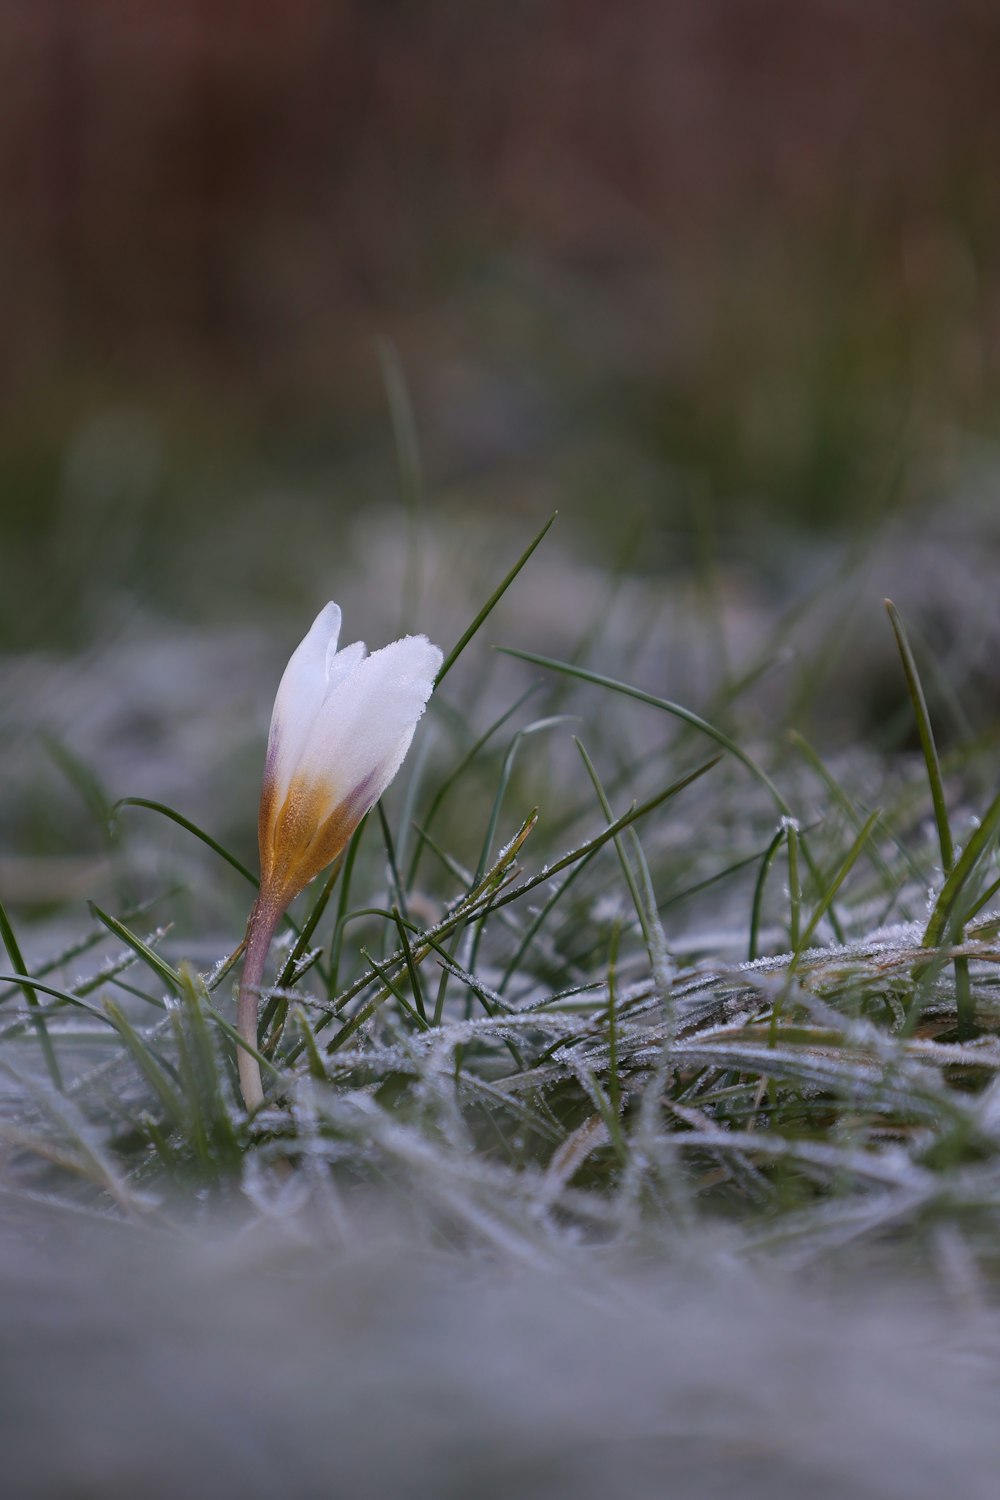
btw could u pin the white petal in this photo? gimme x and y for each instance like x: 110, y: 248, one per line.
x: 357, y: 741
x: 340, y: 663
x: 299, y: 698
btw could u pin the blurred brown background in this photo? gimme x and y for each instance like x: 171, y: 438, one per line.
x: 647, y: 262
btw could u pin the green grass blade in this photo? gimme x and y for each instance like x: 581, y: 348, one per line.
x: 845, y: 868
x: 395, y: 882
x: 28, y: 991
x: 343, y: 900
x: 925, y: 733
x: 614, y: 1081
x: 189, y: 827
x: 65, y: 997
x: 274, y: 1012
x: 144, y: 1059
x: 947, y: 917
x: 411, y: 967
x: 491, y: 604
x: 390, y: 984
x: 794, y: 883
x: 313, y: 1055
x: 770, y: 854
x: 149, y: 956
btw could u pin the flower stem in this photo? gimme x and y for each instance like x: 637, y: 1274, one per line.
x: 260, y: 930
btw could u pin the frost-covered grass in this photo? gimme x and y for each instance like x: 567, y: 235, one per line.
x: 608, y: 976
x: 604, y: 961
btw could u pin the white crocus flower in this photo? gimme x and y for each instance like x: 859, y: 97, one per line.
x: 341, y: 725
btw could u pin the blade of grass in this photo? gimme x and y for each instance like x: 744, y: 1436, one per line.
x: 491, y: 604
x: 946, y: 918
x: 925, y: 733
x: 844, y: 869
x: 394, y: 990
x: 65, y: 996
x: 28, y: 991
x: 770, y: 854
x: 146, y: 1062
x: 277, y: 1006
x: 148, y: 955
x: 794, y: 882
x: 189, y: 827
x: 614, y: 1081
x: 411, y: 967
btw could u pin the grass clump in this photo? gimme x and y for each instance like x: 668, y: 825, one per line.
x: 559, y: 988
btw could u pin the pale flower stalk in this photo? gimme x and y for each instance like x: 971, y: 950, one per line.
x: 341, y: 725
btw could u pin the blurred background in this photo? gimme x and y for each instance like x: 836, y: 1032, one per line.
x: 716, y: 278
x: 667, y: 264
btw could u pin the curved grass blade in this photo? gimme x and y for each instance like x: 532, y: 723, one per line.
x: 65, y: 996
x: 725, y: 741
x: 189, y: 827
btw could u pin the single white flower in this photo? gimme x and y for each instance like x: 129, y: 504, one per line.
x: 341, y: 725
